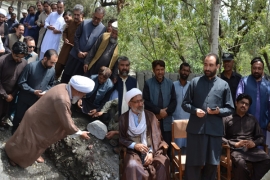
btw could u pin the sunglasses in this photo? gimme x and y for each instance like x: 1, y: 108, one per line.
x: 31, y: 46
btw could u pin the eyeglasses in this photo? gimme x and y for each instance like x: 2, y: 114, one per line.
x: 244, y: 103
x: 32, y: 47
x: 138, y: 101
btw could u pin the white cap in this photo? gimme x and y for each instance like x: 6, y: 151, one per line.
x: 3, y: 12
x: 115, y: 25
x: 24, y: 11
x: 82, y: 84
x: 132, y: 93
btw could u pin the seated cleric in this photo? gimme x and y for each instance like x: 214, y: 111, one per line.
x: 140, y: 133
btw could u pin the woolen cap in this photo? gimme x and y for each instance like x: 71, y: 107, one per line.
x: 3, y: 12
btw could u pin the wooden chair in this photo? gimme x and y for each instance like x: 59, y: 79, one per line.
x: 178, y: 160
x: 226, y: 162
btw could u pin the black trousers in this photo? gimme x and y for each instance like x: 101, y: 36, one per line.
x: 73, y: 67
x: 19, y: 113
x: 208, y: 172
x: 241, y: 171
x: 167, y: 137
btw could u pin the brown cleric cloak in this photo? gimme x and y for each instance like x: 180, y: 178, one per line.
x: 43, y: 124
x: 133, y: 168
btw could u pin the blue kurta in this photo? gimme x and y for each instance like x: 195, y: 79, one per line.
x: 179, y: 113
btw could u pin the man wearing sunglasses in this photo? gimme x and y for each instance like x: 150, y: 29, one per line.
x: 30, y: 42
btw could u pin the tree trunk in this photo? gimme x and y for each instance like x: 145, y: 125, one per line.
x: 19, y: 7
x: 12, y: 2
x: 265, y: 55
x: 1, y: 4
x: 214, y: 29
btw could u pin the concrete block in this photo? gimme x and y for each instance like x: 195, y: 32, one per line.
x: 98, y: 129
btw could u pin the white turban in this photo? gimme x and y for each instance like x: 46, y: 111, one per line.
x: 132, y: 93
x: 115, y: 25
x: 82, y: 84
x: 3, y: 12
x: 24, y: 11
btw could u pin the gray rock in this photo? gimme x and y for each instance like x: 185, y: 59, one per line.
x: 98, y: 129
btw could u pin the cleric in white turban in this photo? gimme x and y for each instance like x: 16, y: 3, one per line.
x: 3, y: 12
x: 47, y: 121
x: 131, y: 93
x: 81, y: 84
x: 140, y: 134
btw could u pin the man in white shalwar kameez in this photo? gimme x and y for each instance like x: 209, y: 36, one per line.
x: 55, y: 25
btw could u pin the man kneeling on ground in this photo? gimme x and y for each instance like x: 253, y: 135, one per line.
x: 243, y: 134
x: 95, y: 100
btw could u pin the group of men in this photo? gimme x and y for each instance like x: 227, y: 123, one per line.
x: 97, y: 79
x: 226, y: 109
x: 26, y: 78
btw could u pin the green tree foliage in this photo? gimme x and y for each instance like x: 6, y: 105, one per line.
x: 178, y: 31
x: 151, y: 30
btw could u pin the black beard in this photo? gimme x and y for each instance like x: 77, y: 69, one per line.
x: 212, y: 74
x: 257, y: 76
x: 183, y: 77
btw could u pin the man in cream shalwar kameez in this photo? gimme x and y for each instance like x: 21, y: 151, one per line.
x: 47, y: 121
x: 55, y: 25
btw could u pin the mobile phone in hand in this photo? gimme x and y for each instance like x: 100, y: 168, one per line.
x: 213, y: 109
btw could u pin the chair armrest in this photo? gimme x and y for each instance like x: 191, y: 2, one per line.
x: 227, y: 157
x: 225, y: 146
x: 175, y: 146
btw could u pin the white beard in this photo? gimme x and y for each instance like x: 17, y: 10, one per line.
x: 75, y: 99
